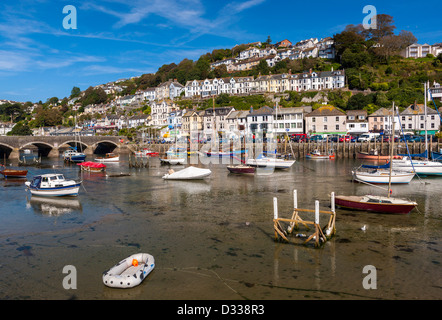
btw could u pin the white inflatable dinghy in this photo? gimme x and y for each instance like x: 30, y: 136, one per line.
x: 129, y: 272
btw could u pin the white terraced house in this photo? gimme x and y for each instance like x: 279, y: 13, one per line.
x: 213, y: 87
x: 160, y: 112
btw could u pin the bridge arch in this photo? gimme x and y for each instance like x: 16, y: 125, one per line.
x: 81, y: 146
x: 5, y: 151
x: 44, y: 148
x: 104, y: 146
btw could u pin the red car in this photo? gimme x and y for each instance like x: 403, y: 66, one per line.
x: 346, y: 138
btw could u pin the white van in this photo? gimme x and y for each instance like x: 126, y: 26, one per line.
x: 367, y: 136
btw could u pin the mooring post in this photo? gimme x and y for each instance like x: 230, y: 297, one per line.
x: 295, y: 199
x: 333, y: 202
x: 275, y: 208
x: 317, y: 212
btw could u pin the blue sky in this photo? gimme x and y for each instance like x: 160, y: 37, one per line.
x: 116, y: 39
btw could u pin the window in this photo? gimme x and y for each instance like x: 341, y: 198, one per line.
x: 325, y: 127
x: 337, y: 127
x: 337, y: 119
x: 325, y: 119
x: 313, y: 119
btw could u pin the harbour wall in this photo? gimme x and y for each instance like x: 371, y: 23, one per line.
x: 341, y: 149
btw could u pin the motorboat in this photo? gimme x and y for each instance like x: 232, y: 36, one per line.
x: 108, y: 157
x: 317, y: 155
x: 190, y: 173
x: 380, y: 204
x: 54, y: 185
x: 73, y: 155
x: 129, y: 272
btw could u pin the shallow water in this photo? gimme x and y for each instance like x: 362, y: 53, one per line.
x: 214, y: 239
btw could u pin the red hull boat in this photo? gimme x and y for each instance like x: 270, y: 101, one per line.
x: 376, y: 204
x: 242, y: 169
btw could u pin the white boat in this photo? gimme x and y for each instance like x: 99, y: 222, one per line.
x: 53, y: 185
x: 317, y: 155
x: 173, y: 160
x: 108, y: 157
x: 421, y: 167
x: 270, y: 162
x: 382, y: 176
x: 129, y: 272
x: 73, y: 155
x: 190, y: 173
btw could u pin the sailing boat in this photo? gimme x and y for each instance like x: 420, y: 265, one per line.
x: 380, y: 204
x: 421, y: 167
x: 242, y: 168
x: 264, y: 161
x: 72, y: 154
x: 173, y: 155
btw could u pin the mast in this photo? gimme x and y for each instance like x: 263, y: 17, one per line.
x: 425, y: 119
x: 391, y: 150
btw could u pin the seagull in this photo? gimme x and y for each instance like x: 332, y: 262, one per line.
x: 364, y: 228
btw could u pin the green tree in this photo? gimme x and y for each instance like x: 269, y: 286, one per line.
x: 263, y: 67
x: 20, y: 129
x: 75, y: 92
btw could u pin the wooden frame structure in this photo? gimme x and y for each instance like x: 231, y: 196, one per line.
x: 318, y: 235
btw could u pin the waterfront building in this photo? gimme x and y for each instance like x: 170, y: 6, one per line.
x: 381, y: 121
x: 261, y: 120
x: 192, y: 124
x: 357, y: 122
x: 413, y: 118
x: 289, y: 120
x: 236, y: 123
x: 326, y: 120
x: 215, y: 121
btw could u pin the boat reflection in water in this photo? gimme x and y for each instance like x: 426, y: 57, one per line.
x: 54, y: 206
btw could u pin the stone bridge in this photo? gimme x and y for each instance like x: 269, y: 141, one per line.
x: 51, y: 146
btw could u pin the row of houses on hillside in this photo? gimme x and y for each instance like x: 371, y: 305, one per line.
x: 250, y: 57
x: 325, y: 80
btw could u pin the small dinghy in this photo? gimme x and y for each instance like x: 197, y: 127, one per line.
x: 129, y: 272
x: 190, y: 173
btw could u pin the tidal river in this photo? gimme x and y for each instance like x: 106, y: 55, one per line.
x: 214, y: 239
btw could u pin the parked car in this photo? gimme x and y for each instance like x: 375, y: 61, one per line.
x: 317, y: 138
x: 346, y: 138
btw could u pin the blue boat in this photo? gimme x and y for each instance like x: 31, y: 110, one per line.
x: 53, y: 185
x: 73, y: 155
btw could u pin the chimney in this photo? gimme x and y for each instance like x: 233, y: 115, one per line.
x: 251, y: 109
x: 310, y: 70
x: 290, y: 71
